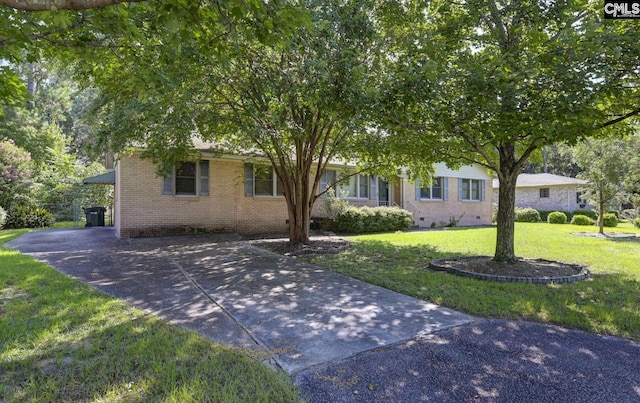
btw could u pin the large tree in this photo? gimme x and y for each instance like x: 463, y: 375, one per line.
x: 492, y: 82
x: 296, y: 102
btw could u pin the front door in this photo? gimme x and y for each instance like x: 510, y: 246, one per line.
x: 383, y: 193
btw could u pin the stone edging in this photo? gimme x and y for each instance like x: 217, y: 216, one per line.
x: 582, y: 274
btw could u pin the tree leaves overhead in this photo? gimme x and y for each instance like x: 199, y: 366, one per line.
x: 493, y: 81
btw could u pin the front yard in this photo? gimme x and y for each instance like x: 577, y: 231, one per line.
x: 61, y: 340
x: 607, y: 303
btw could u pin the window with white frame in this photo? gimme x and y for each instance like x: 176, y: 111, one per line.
x: 187, y: 178
x: 471, y: 189
x: 357, y: 186
x: 261, y: 180
x: 544, y: 193
x: 435, y: 191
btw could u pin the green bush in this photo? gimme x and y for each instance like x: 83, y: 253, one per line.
x: 579, y: 219
x: 544, y: 214
x: 3, y: 216
x: 29, y: 217
x: 636, y: 222
x: 589, y: 213
x: 557, y: 217
x: 372, y: 219
x: 527, y: 214
x: 610, y: 220
x: 616, y: 212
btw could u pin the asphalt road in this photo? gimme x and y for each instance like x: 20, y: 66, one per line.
x: 486, y: 361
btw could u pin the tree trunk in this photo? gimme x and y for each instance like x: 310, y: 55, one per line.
x: 601, y: 216
x: 505, y: 237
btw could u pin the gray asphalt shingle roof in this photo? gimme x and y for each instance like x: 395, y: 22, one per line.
x: 538, y: 180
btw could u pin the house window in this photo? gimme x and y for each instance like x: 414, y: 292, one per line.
x: 328, y: 179
x: 544, y: 193
x: 187, y: 178
x: 579, y: 199
x: 355, y: 186
x: 471, y: 189
x: 434, y: 192
x: 261, y: 180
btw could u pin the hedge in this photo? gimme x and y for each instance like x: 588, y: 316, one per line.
x: 372, y: 219
x: 636, y: 222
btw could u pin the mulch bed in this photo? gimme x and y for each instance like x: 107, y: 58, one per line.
x: 525, y: 270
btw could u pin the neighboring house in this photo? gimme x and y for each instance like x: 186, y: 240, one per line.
x: 242, y: 194
x: 546, y: 192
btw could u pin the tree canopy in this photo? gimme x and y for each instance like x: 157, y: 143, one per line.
x: 296, y: 102
x: 491, y: 82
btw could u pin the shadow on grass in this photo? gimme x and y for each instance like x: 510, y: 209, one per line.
x: 606, y: 303
x: 61, y: 340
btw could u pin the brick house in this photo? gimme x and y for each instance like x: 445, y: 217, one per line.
x: 241, y: 194
x: 546, y: 192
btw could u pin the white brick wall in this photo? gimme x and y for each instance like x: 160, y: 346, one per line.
x: 561, y: 198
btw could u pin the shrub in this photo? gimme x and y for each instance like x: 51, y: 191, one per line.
x: 527, y: 214
x: 610, y: 220
x: 615, y: 212
x: 3, y: 216
x: 636, y: 222
x: 29, y: 217
x: 372, y: 219
x: 544, y: 214
x: 589, y: 213
x: 579, y: 219
x: 628, y: 214
x: 557, y: 217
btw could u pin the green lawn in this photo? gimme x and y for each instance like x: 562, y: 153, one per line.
x: 608, y: 303
x: 61, y: 340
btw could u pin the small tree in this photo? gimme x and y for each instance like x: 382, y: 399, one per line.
x: 15, y: 173
x: 604, y: 168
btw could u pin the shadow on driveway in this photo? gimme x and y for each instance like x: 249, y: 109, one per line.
x: 237, y: 294
x: 340, y: 339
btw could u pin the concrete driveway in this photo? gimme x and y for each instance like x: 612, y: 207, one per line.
x: 340, y: 339
x: 237, y: 294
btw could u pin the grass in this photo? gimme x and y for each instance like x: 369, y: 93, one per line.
x: 61, y: 340
x: 607, y: 303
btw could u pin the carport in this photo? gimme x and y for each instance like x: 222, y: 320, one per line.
x: 105, y: 179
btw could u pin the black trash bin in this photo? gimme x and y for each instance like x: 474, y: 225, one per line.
x: 95, y: 216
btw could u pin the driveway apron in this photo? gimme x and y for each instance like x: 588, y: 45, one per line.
x: 237, y: 294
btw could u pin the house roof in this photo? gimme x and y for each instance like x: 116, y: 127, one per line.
x: 108, y: 178
x: 538, y: 180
